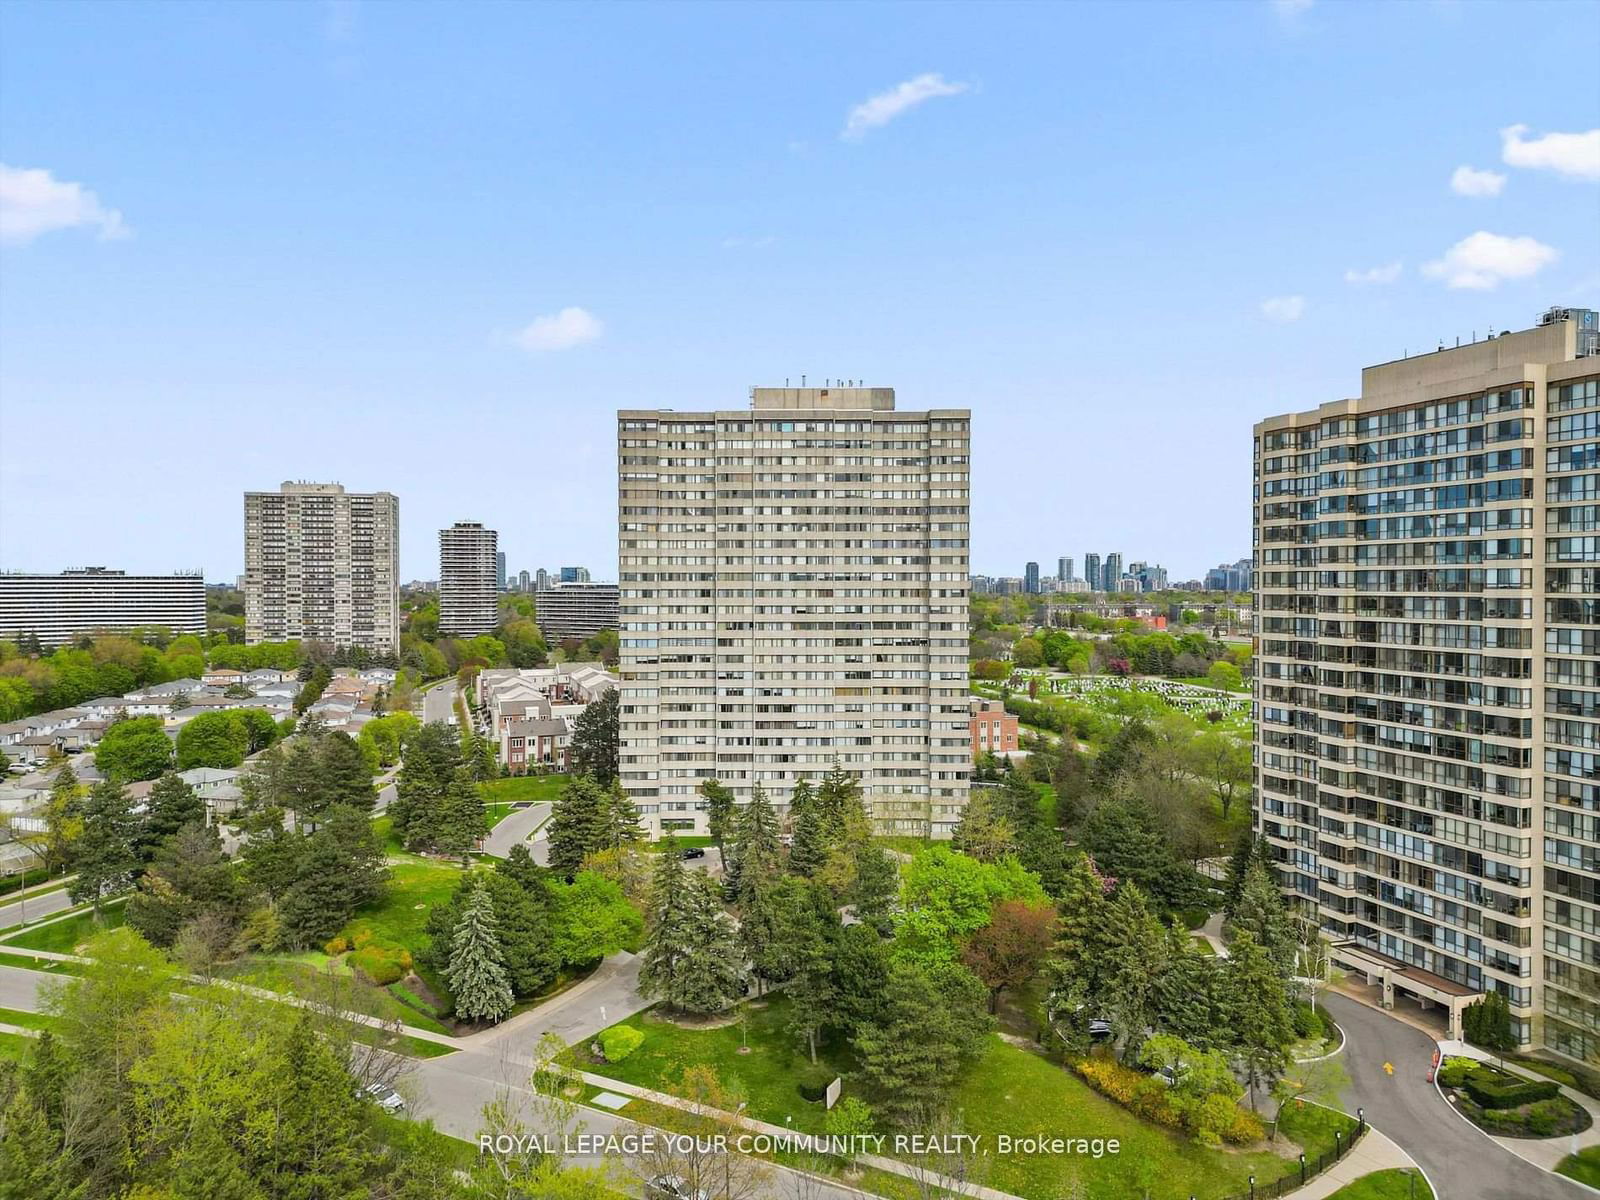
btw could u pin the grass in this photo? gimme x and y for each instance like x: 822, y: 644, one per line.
x: 902, y: 845
x: 401, y: 915
x: 1009, y: 1090
x: 684, y: 842
x: 1584, y: 1166
x: 523, y: 789
x: 47, y: 965
x: 1204, y: 946
x: 1397, y: 1183
x: 25, y: 1020
x: 66, y: 935
x: 13, y: 1046
x: 493, y: 814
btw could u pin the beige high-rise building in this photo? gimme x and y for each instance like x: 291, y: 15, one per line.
x: 794, y: 594
x: 1428, y: 675
x: 469, y: 580
x: 322, y: 564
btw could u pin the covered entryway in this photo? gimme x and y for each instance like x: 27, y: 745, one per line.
x: 1393, y: 977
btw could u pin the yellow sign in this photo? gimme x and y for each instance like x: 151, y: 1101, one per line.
x: 1388, y: 1068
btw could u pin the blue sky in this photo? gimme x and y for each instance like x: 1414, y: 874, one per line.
x: 432, y: 248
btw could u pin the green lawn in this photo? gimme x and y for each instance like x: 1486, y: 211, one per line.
x: 493, y: 814
x: 413, y: 890
x: 13, y: 1046
x: 25, y: 1020
x: 1204, y: 946
x: 48, y: 965
x: 683, y: 842
x: 66, y: 935
x: 1394, y: 1184
x: 523, y: 789
x: 1584, y: 1166
x: 1009, y: 1091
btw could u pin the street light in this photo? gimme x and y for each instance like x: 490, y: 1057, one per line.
x: 727, y: 1159
x: 1252, y: 1187
x: 1302, y: 1168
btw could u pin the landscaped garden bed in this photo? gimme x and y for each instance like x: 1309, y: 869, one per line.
x: 1506, y: 1104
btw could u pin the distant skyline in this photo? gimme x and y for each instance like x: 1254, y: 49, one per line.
x: 431, y: 249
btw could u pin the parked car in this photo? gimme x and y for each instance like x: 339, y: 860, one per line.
x: 673, y: 1187
x: 694, y: 852
x: 1099, y: 1030
x: 385, y: 1097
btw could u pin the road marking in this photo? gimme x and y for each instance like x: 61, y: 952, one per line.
x: 1388, y: 1068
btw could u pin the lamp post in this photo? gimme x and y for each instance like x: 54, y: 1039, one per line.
x: 1302, y: 1168
x: 1252, y: 1187
x: 727, y: 1159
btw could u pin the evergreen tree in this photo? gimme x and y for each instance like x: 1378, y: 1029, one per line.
x: 320, y: 1143
x: 63, y: 818
x: 188, y: 875
x: 477, y: 973
x: 621, y: 819
x: 461, y: 815
x: 764, y: 923
x: 932, y: 1021
x: 877, y: 883
x: 172, y: 805
x: 813, y: 996
x: 837, y: 797
x: 1186, y: 999
x: 429, y: 764
x: 808, y: 847
x: 860, y: 971
x: 1259, y: 1018
x: 691, y: 958
x: 594, y: 739
x: 1135, y: 953
x: 579, y: 825
x: 758, y: 855
x: 343, y: 773
x: 317, y: 905
x: 983, y: 832
x: 523, y: 927
x: 34, y: 1165
x: 1077, y: 963
x: 1244, y: 853
x: 1261, y: 910
x: 105, y: 856
x: 719, y: 814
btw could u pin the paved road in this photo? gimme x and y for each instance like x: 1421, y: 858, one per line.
x: 519, y: 827
x: 438, y: 703
x: 1464, y: 1163
x: 19, y: 988
x: 43, y: 905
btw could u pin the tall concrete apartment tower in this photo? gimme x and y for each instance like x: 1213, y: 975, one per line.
x: 1111, y: 574
x: 470, y: 570
x: 794, y: 594
x: 1091, y: 572
x: 1427, y: 707
x: 322, y: 564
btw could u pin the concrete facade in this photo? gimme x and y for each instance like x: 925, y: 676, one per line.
x: 60, y: 608
x: 1427, y: 695
x: 469, y: 572
x: 794, y: 594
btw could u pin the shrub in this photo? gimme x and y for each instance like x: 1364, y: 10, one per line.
x: 1150, y: 1101
x: 620, y: 1041
x: 383, y: 965
x: 1495, y: 1091
x: 1110, y: 1079
x: 1453, y: 1072
x: 361, y: 938
x: 813, y: 1083
x: 336, y: 946
x: 1245, y: 1130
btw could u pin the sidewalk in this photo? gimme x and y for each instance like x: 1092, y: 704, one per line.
x: 1374, y: 1152
x: 1541, y: 1152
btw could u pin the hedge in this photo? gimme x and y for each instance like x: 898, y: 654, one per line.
x: 1490, y: 1090
x: 620, y: 1041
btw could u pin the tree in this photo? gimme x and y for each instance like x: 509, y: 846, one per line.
x: 580, y: 824
x: 691, y: 957
x: 106, y: 860
x: 719, y: 812
x: 860, y: 971
x: 133, y: 749
x: 1260, y: 910
x: 63, y: 818
x: 932, y: 1021
x: 1007, y: 952
x: 594, y: 739
x: 477, y: 973
x: 621, y: 817
x: 172, y: 804
x: 983, y: 833
x: 1224, y: 760
x: 1487, y: 1023
x: 430, y: 762
x: 461, y: 816
x: 592, y: 919
x: 757, y: 847
x: 808, y: 844
x: 1225, y: 676
x: 525, y: 926
x: 213, y: 739
x: 945, y: 897
x: 189, y: 875
x: 812, y: 995
x: 1134, y: 957
x: 1258, y: 1014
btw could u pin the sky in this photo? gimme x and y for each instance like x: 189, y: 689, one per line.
x: 431, y: 248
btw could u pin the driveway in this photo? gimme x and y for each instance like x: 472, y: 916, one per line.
x: 19, y: 988
x: 519, y: 827
x: 1463, y: 1162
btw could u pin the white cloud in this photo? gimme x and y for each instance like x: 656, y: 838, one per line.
x: 903, y: 97
x: 1387, y: 273
x: 1284, y: 309
x: 1469, y: 181
x: 33, y: 201
x: 1576, y: 155
x: 559, y: 331
x: 1485, y: 260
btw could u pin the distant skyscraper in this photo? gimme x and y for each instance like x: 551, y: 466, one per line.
x: 1111, y: 574
x: 541, y: 579
x: 574, y: 575
x: 524, y: 581
x: 500, y: 570
x: 322, y: 565
x: 1091, y: 571
x: 1064, y: 570
x: 468, y: 564
x: 1030, y: 577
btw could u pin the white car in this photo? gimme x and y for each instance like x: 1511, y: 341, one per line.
x: 385, y: 1097
x: 672, y: 1187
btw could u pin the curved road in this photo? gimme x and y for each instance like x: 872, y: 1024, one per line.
x: 1463, y: 1162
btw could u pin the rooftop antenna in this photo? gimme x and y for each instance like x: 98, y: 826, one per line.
x: 802, y: 381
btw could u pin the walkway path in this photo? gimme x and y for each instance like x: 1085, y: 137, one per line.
x: 1462, y: 1162
x: 519, y: 827
x: 35, y: 905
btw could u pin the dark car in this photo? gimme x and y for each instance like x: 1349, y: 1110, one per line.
x: 672, y: 1187
x: 694, y: 852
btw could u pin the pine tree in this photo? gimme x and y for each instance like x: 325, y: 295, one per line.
x: 808, y: 847
x: 758, y: 855
x: 343, y: 774
x: 579, y: 824
x: 1135, y: 953
x: 876, y: 886
x: 477, y: 973
x: 931, y: 1020
x: 106, y: 858
x: 1186, y: 1000
x: 1258, y: 1016
x: 839, y: 794
x: 691, y: 957
x: 719, y: 814
x: 1244, y: 853
x: 1261, y: 910
x: 594, y: 739
x: 172, y: 805
x: 461, y: 815
x: 813, y: 996
x: 764, y: 920
x: 621, y: 819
